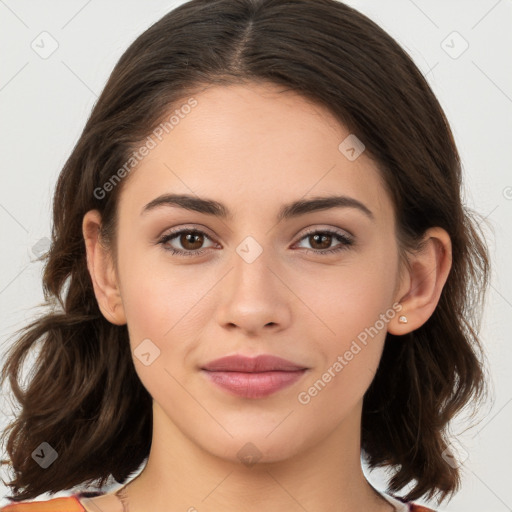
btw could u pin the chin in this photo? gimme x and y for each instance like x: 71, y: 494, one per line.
x: 252, y: 448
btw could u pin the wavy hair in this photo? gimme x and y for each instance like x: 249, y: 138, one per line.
x: 84, y: 397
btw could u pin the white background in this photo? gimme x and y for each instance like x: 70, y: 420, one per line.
x: 44, y: 104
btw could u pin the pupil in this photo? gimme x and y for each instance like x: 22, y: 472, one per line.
x: 326, y: 238
x: 189, y: 238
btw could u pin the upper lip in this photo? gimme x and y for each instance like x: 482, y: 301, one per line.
x: 261, y: 363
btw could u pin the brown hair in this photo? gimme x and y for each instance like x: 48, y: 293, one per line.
x: 84, y: 397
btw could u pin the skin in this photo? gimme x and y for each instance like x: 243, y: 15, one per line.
x: 253, y: 149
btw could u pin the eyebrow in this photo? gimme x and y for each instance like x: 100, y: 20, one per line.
x: 287, y: 211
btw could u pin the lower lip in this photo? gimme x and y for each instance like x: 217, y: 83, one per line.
x: 254, y: 385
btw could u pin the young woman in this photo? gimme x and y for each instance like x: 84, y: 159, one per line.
x: 261, y: 270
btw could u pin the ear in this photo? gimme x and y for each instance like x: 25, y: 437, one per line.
x: 102, y: 271
x: 421, y: 289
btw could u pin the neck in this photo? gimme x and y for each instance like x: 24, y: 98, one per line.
x: 180, y: 475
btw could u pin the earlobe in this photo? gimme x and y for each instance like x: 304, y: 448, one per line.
x: 102, y: 271
x: 428, y: 271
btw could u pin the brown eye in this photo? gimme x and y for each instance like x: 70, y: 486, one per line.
x: 190, y: 240
x: 321, y: 240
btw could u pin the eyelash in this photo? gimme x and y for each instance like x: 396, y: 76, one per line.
x: 346, y: 242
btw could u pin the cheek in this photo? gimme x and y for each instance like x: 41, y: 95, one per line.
x: 158, y: 295
x: 345, y: 299
x: 355, y: 319
x: 163, y: 326
x: 353, y: 306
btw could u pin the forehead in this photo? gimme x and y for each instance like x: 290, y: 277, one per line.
x: 253, y: 147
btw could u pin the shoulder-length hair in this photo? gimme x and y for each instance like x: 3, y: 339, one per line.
x: 84, y: 397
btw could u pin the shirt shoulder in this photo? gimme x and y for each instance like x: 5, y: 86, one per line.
x: 72, y: 504
x: 62, y: 504
x: 414, y: 508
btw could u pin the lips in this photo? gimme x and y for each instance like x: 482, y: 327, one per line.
x: 253, y: 377
x: 262, y: 363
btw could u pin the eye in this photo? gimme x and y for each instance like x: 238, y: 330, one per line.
x: 324, y: 238
x: 190, y: 240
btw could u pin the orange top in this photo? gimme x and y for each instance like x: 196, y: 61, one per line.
x: 63, y: 504
x: 72, y: 504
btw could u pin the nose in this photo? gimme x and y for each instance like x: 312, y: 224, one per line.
x: 254, y: 297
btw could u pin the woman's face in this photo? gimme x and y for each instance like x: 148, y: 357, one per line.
x: 252, y: 282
